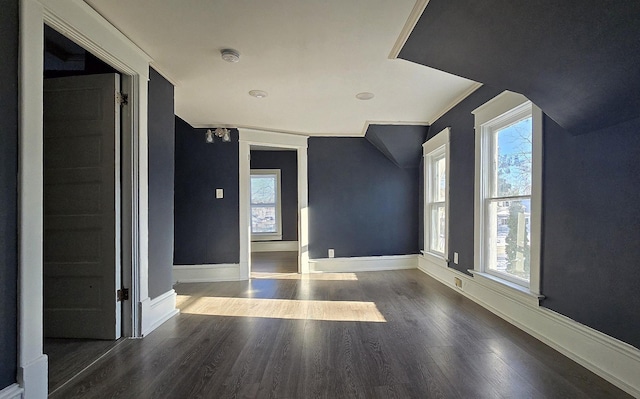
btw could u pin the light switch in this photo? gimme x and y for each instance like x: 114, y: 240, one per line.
x: 455, y: 258
x: 219, y: 193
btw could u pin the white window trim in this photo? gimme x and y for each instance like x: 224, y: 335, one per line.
x: 434, y: 145
x: 277, y: 236
x: 489, y: 112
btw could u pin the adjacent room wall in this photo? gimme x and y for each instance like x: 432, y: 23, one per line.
x: 360, y: 203
x: 591, y: 219
x: 206, y: 229
x: 287, y: 162
x: 161, y: 180
x: 9, y: 192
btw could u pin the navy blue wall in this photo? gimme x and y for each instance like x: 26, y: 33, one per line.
x: 360, y: 203
x: 161, y: 169
x: 462, y: 174
x: 287, y: 162
x: 206, y: 229
x: 591, y: 219
x: 9, y: 192
x: 591, y: 227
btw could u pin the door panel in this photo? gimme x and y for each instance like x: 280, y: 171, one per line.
x: 82, y: 207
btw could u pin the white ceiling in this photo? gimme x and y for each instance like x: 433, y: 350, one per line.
x: 311, y: 56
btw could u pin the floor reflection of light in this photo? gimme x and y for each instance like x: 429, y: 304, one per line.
x: 281, y: 308
x: 312, y: 276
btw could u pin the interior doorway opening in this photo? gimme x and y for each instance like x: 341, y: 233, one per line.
x: 84, y: 316
x: 273, y: 206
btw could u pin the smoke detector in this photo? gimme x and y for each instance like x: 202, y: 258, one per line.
x: 230, y: 55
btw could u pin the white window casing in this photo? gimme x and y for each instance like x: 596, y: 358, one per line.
x: 277, y: 234
x: 502, y: 110
x: 434, y: 150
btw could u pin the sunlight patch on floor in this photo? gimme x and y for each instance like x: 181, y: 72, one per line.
x: 281, y: 308
x: 311, y: 276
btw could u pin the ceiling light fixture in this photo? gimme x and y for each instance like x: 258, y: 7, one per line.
x: 365, y: 95
x: 220, y: 132
x: 230, y: 55
x: 258, y: 93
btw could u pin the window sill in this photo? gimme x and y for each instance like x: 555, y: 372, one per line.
x: 507, y: 288
x: 436, y: 259
x: 266, y: 237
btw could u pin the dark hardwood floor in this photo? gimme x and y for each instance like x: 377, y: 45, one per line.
x: 397, y: 334
x: 68, y: 357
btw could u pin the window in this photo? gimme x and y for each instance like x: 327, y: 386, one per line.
x: 265, y: 205
x: 436, y: 196
x: 508, y: 148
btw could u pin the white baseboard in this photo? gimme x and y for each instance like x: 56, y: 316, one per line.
x: 12, y: 392
x: 363, y: 264
x: 611, y: 359
x: 206, y: 273
x: 158, y: 310
x: 274, y: 246
x: 34, y: 378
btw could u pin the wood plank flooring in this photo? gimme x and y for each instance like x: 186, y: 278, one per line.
x: 411, y: 337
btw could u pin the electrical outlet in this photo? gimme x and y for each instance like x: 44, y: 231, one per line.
x: 458, y: 282
x: 455, y: 258
x: 332, y: 253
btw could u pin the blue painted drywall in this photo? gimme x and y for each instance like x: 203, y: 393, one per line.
x: 9, y: 192
x: 591, y: 227
x: 206, y: 229
x: 400, y: 143
x: 591, y: 220
x: 161, y: 179
x: 360, y: 203
x: 287, y: 162
x: 461, y: 174
x: 576, y: 59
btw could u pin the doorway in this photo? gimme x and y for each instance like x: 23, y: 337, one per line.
x: 274, y: 211
x: 82, y: 270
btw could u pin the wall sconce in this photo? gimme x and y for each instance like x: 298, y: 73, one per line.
x: 220, y: 132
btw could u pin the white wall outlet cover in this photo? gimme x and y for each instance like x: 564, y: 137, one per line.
x: 455, y: 258
x: 219, y: 193
x: 331, y: 253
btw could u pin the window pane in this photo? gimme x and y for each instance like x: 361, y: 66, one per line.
x: 514, y: 159
x: 438, y: 225
x: 439, y: 168
x: 263, y: 189
x: 263, y: 219
x: 509, y: 237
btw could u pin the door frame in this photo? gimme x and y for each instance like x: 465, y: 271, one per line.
x: 251, y: 137
x: 80, y: 23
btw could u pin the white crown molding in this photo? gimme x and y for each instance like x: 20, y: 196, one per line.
x: 412, y: 20
x: 475, y: 86
x: 393, y: 123
x: 611, y: 359
x: 169, y: 77
x: 363, y: 264
x: 158, y: 310
x: 206, y: 273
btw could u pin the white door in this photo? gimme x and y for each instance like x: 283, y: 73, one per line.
x: 82, y: 207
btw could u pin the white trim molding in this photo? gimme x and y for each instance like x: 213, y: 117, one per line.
x: 158, y: 310
x: 274, y: 246
x: 611, y: 359
x: 14, y: 391
x: 206, y: 273
x: 251, y: 137
x: 363, y: 264
x: 412, y: 20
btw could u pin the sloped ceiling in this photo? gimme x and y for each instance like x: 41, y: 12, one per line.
x: 402, y: 144
x: 577, y: 60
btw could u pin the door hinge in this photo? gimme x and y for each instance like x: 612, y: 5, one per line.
x: 123, y: 295
x: 122, y: 98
